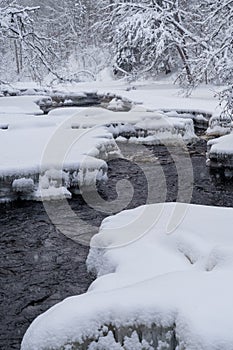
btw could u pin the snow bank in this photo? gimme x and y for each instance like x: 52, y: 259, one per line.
x: 200, y: 119
x: 20, y: 105
x: 164, y: 282
x: 73, y: 140
x: 159, y: 95
x: 25, y: 135
x: 222, y: 145
x: 48, y: 153
x: 220, y: 153
x: 137, y: 123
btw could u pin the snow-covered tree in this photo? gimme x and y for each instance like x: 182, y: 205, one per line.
x: 153, y: 35
x: 194, y: 37
x: 215, y: 55
x: 17, y: 31
x: 16, y: 25
x: 80, y: 52
x: 74, y: 37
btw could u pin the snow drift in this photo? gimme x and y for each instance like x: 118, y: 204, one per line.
x: 164, y: 282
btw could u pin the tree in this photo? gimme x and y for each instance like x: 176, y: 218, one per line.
x: 77, y: 45
x: 31, y: 50
x: 73, y: 37
x: 215, y: 59
x: 155, y: 35
x: 17, y: 25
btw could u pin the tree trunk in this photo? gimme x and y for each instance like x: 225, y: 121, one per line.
x: 21, y: 56
x: 182, y: 50
x: 17, y: 58
x: 184, y: 57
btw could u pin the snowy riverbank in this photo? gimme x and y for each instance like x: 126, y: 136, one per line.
x: 177, y: 295
x: 167, y: 299
x: 44, y: 156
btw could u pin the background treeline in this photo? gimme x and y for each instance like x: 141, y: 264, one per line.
x: 76, y: 39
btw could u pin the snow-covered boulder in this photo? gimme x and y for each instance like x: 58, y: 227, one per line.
x: 219, y: 125
x: 23, y: 185
x: 164, y: 282
x: 220, y: 153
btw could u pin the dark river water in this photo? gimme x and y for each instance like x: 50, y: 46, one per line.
x: 39, y: 266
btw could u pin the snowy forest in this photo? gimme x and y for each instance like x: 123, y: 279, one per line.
x: 74, y: 40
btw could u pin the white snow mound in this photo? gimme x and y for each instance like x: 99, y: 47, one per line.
x: 164, y: 282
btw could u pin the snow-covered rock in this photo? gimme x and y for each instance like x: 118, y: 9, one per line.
x: 219, y: 126
x: 164, y: 282
x: 118, y: 105
x: 23, y: 185
x: 220, y: 153
x: 200, y: 118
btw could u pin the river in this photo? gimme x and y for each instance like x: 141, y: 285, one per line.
x: 39, y: 266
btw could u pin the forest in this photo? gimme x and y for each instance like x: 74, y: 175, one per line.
x: 74, y: 40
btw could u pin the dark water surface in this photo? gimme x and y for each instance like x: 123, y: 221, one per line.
x: 39, y: 266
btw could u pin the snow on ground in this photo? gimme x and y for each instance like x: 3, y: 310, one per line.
x: 70, y: 139
x: 18, y: 105
x: 21, y: 122
x: 34, y: 145
x: 159, y: 95
x: 164, y: 282
x: 164, y: 271
x: 163, y: 95
x: 217, y: 127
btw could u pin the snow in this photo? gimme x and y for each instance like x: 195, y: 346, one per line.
x: 220, y: 149
x: 20, y: 105
x: 219, y: 126
x: 31, y: 150
x: 50, y: 193
x: 220, y: 154
x: 156, y: 95
x: 161, y: 269
x: 23, y: 185
x: 217, y: 130
x: 222, y: 145
x: 23, y: 126
x: 115, y: 105
x: 74, y: 139
x: 32, y: 145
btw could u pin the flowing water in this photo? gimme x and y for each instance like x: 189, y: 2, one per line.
x: 39, y: 266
